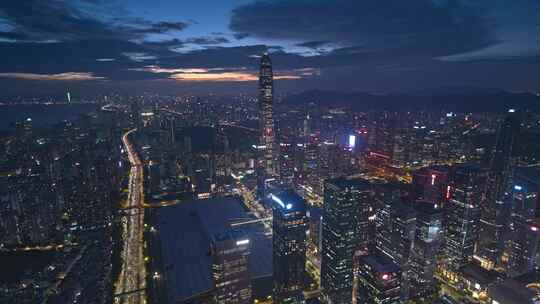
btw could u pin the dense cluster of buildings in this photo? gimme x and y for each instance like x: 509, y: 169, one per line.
x: 255, y: 201
x: 60, y: 185
x: 374, y: 207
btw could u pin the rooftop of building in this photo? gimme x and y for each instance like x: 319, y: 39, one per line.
x: 230, y: 235
x: 532, y: 277
x: 403, y: 210
x: 467, y: 167
x: 530, y: 175
x: 511, y: 291
x: 423, y: 207
x: 348, y: 182
x: 185, y: 233
x: 434, y: 168
x: 288, y: 200
x: 477, y: 274
x: 379, y: 263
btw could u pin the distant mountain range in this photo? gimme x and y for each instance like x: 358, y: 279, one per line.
x: 458, y: 99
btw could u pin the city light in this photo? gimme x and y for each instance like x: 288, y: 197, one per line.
x: 280, y: 202
x: 155, y: 190
x: 242, y: 242
x: 277, y: 200
x: 352, y: 141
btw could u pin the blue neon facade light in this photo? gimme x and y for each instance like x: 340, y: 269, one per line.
x: 280, y: 202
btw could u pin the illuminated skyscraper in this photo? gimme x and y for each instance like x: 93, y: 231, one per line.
x: 396, y: 224
x: 266, y: 104
x: 345, y: 231
x: 230, y: 251
x: 289, y: 246
x: 503, y: 154
x: 522, y: 234
x: 286, y: 163
x: 430, y: 184
x: 494, y: 211
x: 427, y: 241
x: 463, y: 216
x: 312, y: 165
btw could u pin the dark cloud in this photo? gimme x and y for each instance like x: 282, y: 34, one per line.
x: 223, y: 57
x: 53, y: 20
x: 176, y: 43
x: 72, y: 39
x: 46, y: 20
x: 160, y: 27
x: 429, y: 27
x: 96, y: 1
x: 12, y: 35
x: 78, y: 56
x: 248, y: 56
x: 207, y: 40
x: 376, y: 45
x: 314, y: 44
x: 168, y: 44
x: 51, y: 38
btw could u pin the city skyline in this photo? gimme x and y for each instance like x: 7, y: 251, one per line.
x: 226, y: 154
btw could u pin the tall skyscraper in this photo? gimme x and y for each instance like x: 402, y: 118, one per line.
x: 312, y: 164
x: 522, y: 235
x: 289, y: 246
x: 171, y: 127
x: 430, y: 184
x: 345, y: 231
x: 427, y: 241
x: 382, y: 134
x: 503, y: 155
x: 230, y: 251
x: 463, y: 216
x: 396, y: 224
x: 494, y: 211
x: 286, y: 164
x: 266, y: 104
x: 154, y: 176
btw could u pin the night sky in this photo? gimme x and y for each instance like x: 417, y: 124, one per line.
x: 213, y: 45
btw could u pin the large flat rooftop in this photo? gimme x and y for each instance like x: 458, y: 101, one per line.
x: 185, y: 232
x: 511, y: 291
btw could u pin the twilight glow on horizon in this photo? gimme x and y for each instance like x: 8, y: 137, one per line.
x: 368, y: 45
